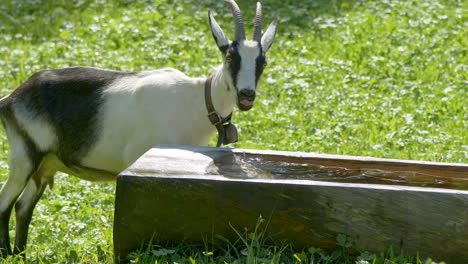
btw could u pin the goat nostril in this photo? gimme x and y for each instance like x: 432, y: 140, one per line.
x: 247, y: 94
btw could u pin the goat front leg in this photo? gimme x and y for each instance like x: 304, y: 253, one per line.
x: 20, y: 171
x: 25, y: 205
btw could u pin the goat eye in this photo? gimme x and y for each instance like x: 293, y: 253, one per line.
x: 228, y: 59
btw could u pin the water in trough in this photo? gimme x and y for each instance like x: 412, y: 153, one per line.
x: 258, y: 168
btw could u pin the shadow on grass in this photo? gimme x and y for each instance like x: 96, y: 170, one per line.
x: 48, y: 16
x: 291, y: 14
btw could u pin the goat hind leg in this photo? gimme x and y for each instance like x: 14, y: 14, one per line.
x: 7, y: 200
x: 25, y: 205
x: 11, y: 190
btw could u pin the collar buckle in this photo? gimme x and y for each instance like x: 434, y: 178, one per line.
x: 215, y: 118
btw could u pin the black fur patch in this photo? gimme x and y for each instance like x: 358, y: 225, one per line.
x: 70, y: 99
x: 235, y: 63
x: 223, y: 49
x: 260, y: 64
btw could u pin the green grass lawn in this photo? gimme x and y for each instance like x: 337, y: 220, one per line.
x: 382, y: 78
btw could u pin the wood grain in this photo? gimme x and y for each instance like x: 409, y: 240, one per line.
x: 194, y: 206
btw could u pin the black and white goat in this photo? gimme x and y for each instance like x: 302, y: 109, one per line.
x: 94, y: 123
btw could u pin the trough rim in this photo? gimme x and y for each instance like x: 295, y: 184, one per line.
x: 314, y: 155
x: 461, y: 168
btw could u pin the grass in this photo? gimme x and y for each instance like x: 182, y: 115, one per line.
x: 376, y: 78
x: 260, y: 247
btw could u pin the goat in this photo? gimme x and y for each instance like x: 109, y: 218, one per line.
x: 93, y: 123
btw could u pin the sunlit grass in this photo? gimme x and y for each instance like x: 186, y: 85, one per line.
x: 258, y: 246
x: 377, y: 78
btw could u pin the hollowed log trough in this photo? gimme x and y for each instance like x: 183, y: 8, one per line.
x: 181, y: 193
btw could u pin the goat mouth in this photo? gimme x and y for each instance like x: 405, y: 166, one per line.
x: 245, y: 104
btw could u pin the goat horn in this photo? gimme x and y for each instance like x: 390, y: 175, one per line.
x: 240, y: 31
x: 257, y: 36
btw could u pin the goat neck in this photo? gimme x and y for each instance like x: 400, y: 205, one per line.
x: 223, y: 96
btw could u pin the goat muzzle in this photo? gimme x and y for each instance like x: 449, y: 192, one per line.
x: 245, y: 99
x: 245, y: 105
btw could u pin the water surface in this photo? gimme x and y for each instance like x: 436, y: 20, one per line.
x: 258, y: 168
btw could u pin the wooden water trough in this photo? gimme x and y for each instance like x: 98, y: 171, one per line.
x: 192, y: 194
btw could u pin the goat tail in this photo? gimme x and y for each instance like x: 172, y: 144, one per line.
x: 4, y: 102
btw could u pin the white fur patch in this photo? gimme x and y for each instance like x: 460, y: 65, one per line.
x: 248, y: 51
x: 146, y: 109
x: 38, y: 128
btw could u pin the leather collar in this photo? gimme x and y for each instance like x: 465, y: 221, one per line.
x: 221, y: 123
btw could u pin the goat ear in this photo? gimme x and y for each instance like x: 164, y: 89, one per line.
x: 218, y: 34
x: 269, y: 36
